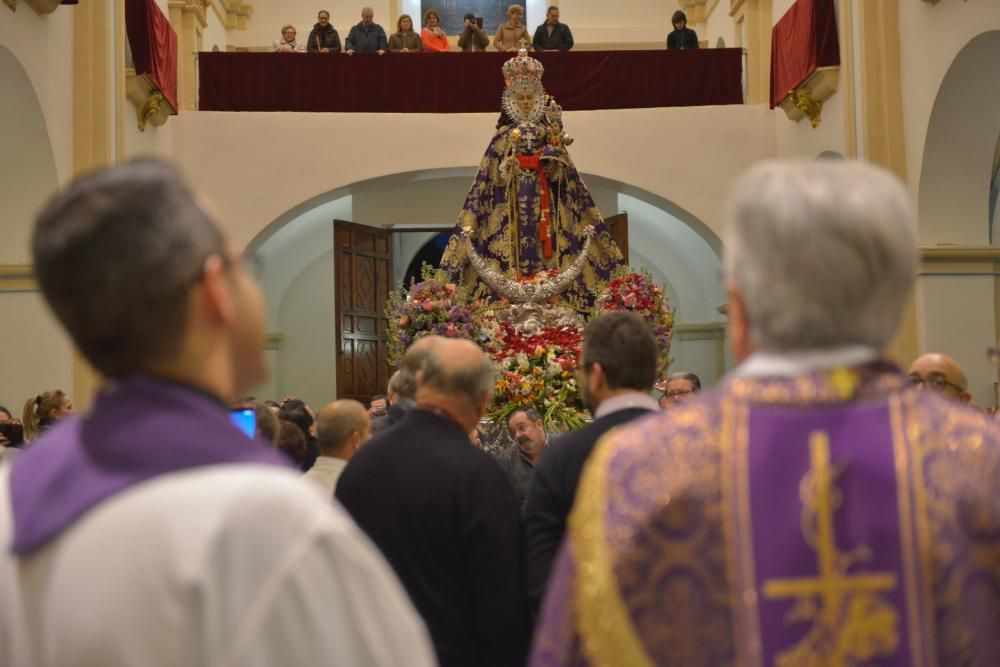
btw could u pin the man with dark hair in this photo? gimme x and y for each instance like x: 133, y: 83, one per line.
x: 402, y: 389
x: 443, y: 514
x: 682, y: 37
x: 552, y: 35
x: 472, y: 38
x: 342, y: 427
x: 152, y: 531
x: 527, y: 430
x: 618, y: 362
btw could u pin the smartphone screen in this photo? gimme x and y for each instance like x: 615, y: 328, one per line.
x: 13, y: 432
x: 245, y: 420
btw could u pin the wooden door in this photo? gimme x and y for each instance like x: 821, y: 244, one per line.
x: 362, y: 269
x: 618, y: 226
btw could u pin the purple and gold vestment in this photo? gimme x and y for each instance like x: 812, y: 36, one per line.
x: 838, y: 518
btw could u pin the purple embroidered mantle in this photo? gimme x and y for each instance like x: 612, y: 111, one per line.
x: 838, y: 518
x: 139, y: 428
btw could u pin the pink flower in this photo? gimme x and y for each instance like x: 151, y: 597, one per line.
x: 428, y: 306
x: 630, y: 300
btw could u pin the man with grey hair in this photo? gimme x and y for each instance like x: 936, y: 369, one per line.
x: 815, y: 494
x: 443, y: 513
x: 367, y: 36
x: 402, y: 389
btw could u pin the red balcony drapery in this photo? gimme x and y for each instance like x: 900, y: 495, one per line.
x: 463, y: 82
x: 802, y: 40
x: 154, y: 45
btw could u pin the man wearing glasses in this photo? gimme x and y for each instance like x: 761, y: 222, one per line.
x: 941, y: 374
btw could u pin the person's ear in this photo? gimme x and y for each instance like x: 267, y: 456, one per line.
x: 965, y: 397
x: 216, y: 290
x: 739, y: 324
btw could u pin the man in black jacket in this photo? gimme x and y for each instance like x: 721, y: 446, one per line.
x: 682, y: 36
x: 552, y: 35
x: 324, y: 37
x: 619, y: 368
x: 443, y: 513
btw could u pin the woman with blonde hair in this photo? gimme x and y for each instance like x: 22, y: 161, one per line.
x: 44, y: 410
x: 405, y: 39
x: 512, y: 35
x: 433, y: 37
x: 287, y: 44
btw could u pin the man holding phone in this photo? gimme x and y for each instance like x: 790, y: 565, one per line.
x: 473, y: 38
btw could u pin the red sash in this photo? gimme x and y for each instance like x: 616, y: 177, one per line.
x: 533, y: 162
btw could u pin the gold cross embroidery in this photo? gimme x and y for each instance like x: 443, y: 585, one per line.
x: 851, y: 622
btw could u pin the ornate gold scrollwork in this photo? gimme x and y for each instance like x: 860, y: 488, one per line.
x: 149, y: 109
x: 807, y: 104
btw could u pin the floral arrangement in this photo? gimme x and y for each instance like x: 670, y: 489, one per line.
x: 538, y: 371
x: 431, y: 306
x: 636, y: 291
x: 535, y: 369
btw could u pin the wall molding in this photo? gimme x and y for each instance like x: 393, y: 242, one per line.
x: 959, y: 253
x: 17, y: 278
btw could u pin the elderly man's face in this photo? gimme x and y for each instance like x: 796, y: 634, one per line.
x: 529, y: 435
x: 367, y: 16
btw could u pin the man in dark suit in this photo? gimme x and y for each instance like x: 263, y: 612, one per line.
x: 618, y: 363
x: 443, y: 512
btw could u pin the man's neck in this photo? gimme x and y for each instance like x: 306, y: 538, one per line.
x: 444, y: 406
x: 207, y: 383
x: 623, y: 399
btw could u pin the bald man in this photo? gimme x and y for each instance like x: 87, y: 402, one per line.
x: 342, y: 427
x: 443, y: 513
x: 941, y: 374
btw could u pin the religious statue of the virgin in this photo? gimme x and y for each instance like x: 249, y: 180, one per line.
x: 528, y: 214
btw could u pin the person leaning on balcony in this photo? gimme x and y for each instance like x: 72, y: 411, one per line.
x: 433, y: 37
x: 472, y: 38
x: 405, y: 39
x: 324, y: 37
x: 287, y: 44
x: 367, y: 36
x: 682, y: 36
x: 512, y: 35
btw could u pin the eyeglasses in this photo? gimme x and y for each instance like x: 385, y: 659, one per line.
x: 934, y: 382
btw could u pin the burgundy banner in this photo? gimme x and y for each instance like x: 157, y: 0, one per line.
x: 802, y: 40
x: 463, y: 82
x: 154, y: 45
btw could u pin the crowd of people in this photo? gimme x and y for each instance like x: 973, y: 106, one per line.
x: 624, y: 542
x: 512, y: 35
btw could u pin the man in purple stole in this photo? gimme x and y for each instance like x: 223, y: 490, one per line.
x: 152, y: 531
x: 815, y: 509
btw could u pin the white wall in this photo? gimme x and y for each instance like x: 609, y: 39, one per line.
x: 35, y: 354
x: 650, y: 149
x: 264, y: 26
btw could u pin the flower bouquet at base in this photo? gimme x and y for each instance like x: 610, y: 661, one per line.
x: 636, y: 291
x: 537, y: 371
x: 431, y: 306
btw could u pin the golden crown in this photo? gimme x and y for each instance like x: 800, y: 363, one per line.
x: 522, y: 65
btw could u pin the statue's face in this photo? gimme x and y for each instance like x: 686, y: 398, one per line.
x: 525, y: 101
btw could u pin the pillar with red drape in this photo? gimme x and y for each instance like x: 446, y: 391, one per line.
x: 802, y: 40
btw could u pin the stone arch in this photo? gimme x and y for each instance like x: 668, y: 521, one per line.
x: 953, y: 202
x: 27, y: 158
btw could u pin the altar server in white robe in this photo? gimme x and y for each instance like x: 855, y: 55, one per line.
x: 151, y: 531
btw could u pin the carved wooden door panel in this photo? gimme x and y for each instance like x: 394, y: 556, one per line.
x: 618, y: 226
x: 362, y: 269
